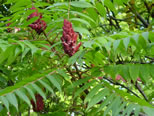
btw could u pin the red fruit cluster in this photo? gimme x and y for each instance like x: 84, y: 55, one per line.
x: 39, y: 105
x: 69, y: 39
x: 39, y: 25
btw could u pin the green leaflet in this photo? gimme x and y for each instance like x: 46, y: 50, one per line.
x: 110, y: 5
x: 24, y: 53
x: 46, y: 86
x: 20, y: 3
x: 92, y: 93
x: 106, y: 101
x: 101, y: 9
x: 81, y: 30
x: 4, y: 55
x: 88, y: 44
x: 12, y: 100
x: 80, y: 81
x: 26, y: 81
x: 97, y: 98
x: 23, y: 96
x: 30, y: 92
x: 134, y: 71
x: 86, y: 86
x: 13, y: 55
x: 64, y: 74
x: 130, y: 71
x: 76, y: 57
x: 120, y: 2
x: 126, y: 42
x: 81, y: 4
x: 119, y: 108
x: 53, y: 80
x: 116, y: 44
x: 32, y: 46
x: 125, y: 95
x: 30, y: 21
x: 128, y: 110
x: 39, y: 90
x: 137, y: 110
x: 118, y: 104
x: 5, y: 102
x: 148, y: 111
x: 145, y: 72
x: 112, y: 104
x: 83, y: 15
x: 81, y: 21
x: 145, y: 36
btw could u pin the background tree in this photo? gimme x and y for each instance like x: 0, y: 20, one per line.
x: 98, y: 61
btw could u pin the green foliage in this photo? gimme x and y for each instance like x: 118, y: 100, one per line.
x: 111, y: 74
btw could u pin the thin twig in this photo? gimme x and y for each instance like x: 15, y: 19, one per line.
x: 29, y: 111
x: 148, y: 9
x: 110, y: 20
x: 70, y: 72
x: 47, y: 39
x: 117, y: 23
x: 149, y: 58
x: 138, y: 15
x: 140, y: 90
x: 116, y: 83
x: 78, y: 72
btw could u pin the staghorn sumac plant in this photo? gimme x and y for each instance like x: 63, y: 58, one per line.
x: 69, y: 39
x: 102, y: 79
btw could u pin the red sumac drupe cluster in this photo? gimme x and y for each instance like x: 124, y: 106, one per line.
x: 39, y: 105
x: 69, y: 39
x: 39, y: 25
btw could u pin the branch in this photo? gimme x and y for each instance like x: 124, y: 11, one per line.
x: 77, y: 70
x: 146, y: 5
x: 132, y: 113
x: 140, y: 90
x: 148, y: 9
x: 134, y: 62
x: 103, y: 27
x: 116, y: 83
x: 47, y: 39
x: 117, y: 23
x: 110, y: 20
x: 150, y: 58
x: 141, y: 19
x: 70, y: 72
x: 121, y: 19
x: 138, y: 15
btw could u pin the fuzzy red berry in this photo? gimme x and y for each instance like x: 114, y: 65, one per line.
x: 39, y: 105
x: 69, y: 39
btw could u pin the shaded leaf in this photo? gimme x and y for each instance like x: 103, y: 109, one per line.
x: 12, y: 99
x: 23, y: 96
